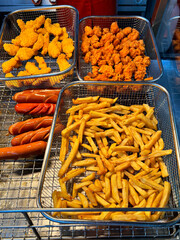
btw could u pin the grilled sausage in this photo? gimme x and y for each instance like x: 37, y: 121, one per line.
x: 22, y: 151
x: 37, y: 96
x: 30, y: 124
x: 41, y: 134
x: 35, y: 108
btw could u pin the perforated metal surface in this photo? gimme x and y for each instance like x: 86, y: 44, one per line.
x: 139, y: 23
x: 151, y: 94
x: 66, y: 16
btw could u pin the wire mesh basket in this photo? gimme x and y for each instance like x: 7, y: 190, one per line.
x: 66, y: 16
x: 152, y: 94
x: 141, y: 24
x: 174, y: 38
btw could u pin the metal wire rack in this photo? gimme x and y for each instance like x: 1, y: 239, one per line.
x: 18, y: 190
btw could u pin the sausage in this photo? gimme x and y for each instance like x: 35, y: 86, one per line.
x: 22, y: 151
x: 37, y: 96
x: 41, y: 134
x: 35, y: 108
x: 30, y: 124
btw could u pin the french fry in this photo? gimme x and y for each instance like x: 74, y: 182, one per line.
x: 102, y: 170
x: 119, y: 179
x: 69, y: 159
x: 87, y: 146
x: 85, y: 100
x: 93, y: 145
x: 151, y: 183
x: 83, y: 200
x: 76, y: 108
x: 63, y: 149
x: 125, y: 190
x: 90, y: 196
x: 75, y: 173
x: 114, y: 188
x: 82, y: 184
x: 107, y: 188
x: 126, y: 149
x: 155, y: 137
x: 81, y: 130
x: 149, y: 204
x: 134, y: 194
x: 94, y: 188
x: 163, y: 169
x: 101, y: 201
x: 89, y: 177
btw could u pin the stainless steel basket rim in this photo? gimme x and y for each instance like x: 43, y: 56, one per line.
x: 153, y: 40
x: 47, y: 153
x: 76, y: 42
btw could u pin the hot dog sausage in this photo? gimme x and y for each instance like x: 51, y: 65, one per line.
x: 30, y: 124
x: 37, y: 96
x: 22, y: 151
x: 41, y: 134
x: 35, y: 108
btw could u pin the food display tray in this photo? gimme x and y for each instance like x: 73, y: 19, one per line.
x: 173, y: 24
x: 19, y: 188
x: 141, y: 24
x: 66, y: 16
x: 128, y: 94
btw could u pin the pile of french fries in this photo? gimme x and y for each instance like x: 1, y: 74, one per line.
x: 113, y: 155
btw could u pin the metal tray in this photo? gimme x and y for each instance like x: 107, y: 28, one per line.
x: 66, y: 16
x: 155, y: 69
x: 152, y: 94
x: 173, y: 24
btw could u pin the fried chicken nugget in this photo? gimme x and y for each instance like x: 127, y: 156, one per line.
x: 39, y: 43
x: 8, y: 66
x: 33, y: 70
x: 11, y: 49
x: 41, y: 62
x: 45, y: 44
x: 114, y: 28
x: 54, y: 29
x: 54, y: 48
x: 64, y: 34
x: 67, y: 47
x: 23, y: 73
x: 28, y: 37
x: 25, y: 53
x: 63, y: 63
x: 21, y: 24
x: 9, y: 75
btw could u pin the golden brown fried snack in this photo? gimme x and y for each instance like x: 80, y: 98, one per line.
x: 9, y: 65
x: 25, y: 53
x: 54, y: 48
x: 67, y: 47
x: 54, y: 29
x: 39, y: 43
x: 11, y: 49
x: 115, y: 54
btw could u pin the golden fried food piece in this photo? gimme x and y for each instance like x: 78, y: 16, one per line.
x: 88, y: 31
x: 9, y: 65
x: 33, y: 70
x: 42, y: 31
x: 114, y: 28
x: 23, y: 73
x: 21, y: 24
x: 45, y: 44
x: 115, y: 54
x: 63, y: 63
x: 16, y: 41
x: 11, y: 49
x: 39, y: 21
x: 25, y: 53
x: 54, y: 29
x: 28, y: 37
x: 41, y: 62
x: 54, y: 48
x: 39, y: 44
x: 67, y: 47
x: 9, y: 75
x: 64, y: 34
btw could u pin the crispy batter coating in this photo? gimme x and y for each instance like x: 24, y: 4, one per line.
x: 23, y: 73
x: 28, y: 37
x: 67, y: 47
x: 54, y: 48
x: 9, y: 75
x: 115, y: 54
x: 39, y: 43
x: 33, y: 70
x: 54, y: 29
x: 11, y: 49
x: 63, y: 63
x: 9, y: 65
x: 41, y: 62
x: 45, y: 44
x: 25, y: 53
x: 64, y: 34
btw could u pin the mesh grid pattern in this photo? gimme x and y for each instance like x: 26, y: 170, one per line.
x: 154, y: 70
